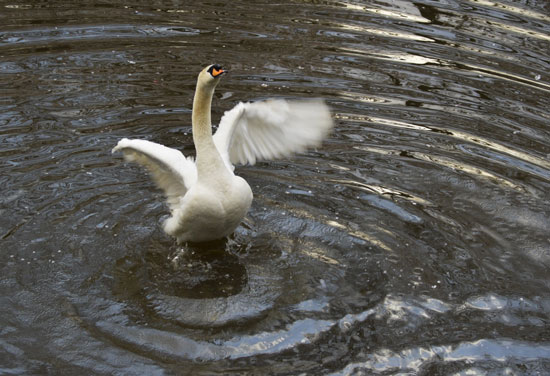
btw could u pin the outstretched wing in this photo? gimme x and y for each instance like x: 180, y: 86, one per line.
x: 271, y: 129
x: 171, y: 171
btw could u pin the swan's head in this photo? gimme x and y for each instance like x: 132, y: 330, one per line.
x: 210, y: 76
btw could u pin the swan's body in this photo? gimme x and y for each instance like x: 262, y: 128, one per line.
x: 206, y: 199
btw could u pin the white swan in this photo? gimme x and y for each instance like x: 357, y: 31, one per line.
x: 206, y: 199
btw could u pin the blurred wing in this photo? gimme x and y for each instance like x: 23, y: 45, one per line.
x: 271, y: 129
x: 171, y: 171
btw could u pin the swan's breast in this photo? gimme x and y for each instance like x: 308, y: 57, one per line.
x: 238, y: 201
x: 210, y: 211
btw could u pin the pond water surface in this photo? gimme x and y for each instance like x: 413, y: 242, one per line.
x: 414, y: 241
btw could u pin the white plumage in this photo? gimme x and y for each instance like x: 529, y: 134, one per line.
x: 271, y: 129
x: 207, y: 201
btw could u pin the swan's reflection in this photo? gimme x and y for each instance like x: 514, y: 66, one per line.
x: 198, y: 285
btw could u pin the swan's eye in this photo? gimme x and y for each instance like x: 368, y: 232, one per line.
x: 216, y: 70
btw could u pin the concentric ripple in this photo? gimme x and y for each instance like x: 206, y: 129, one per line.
x: 413, y: 241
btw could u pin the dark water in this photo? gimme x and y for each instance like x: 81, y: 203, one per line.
x: 415, y: 241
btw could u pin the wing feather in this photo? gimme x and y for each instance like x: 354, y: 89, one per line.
x: 169, y: 168
x: 271, y: 129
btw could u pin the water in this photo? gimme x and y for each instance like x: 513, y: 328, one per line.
x: 415, y: 241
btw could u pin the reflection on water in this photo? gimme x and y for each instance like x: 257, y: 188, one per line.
x: 414, y: 241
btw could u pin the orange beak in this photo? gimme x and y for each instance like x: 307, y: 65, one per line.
x: 217, y: 72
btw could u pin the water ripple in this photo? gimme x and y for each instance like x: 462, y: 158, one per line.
x: 414, y: 240
x: 170, y: 345
x: 90, y: 32
x: 415, y: 359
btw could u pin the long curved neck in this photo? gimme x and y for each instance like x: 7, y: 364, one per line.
x: 202, y: 124
x: 209, y: 160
